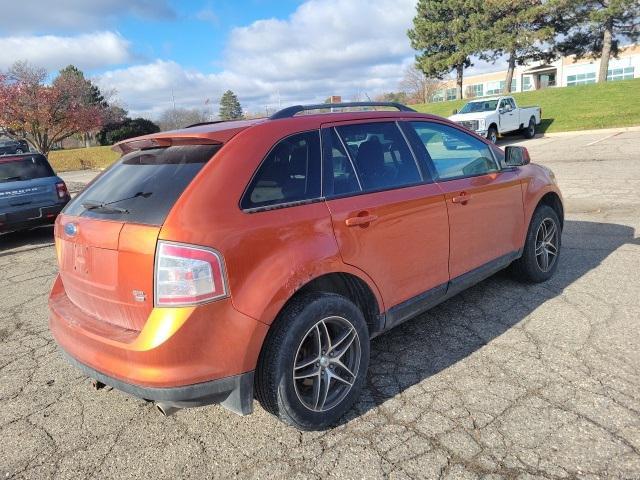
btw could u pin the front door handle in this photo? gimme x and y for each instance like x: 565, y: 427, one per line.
x: 462, y: 199
x: 360, y: 220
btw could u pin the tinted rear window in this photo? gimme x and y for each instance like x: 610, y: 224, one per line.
x: 25, y: 168
x: 142, y: 186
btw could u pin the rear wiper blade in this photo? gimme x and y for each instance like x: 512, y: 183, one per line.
x: 9, y: 179
x: 103, y: 207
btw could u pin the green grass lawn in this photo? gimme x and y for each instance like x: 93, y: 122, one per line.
x: 82, y: 158
x: 611, y: 104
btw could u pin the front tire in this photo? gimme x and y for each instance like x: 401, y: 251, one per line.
x: 314, y: 362
x: 541, y: 252
x: 492, y: 134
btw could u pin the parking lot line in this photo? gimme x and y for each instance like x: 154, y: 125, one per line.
x: 603, y: 139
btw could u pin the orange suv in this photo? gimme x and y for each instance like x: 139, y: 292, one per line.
x: 258, y: 258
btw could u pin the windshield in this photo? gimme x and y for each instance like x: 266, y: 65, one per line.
x: 24, y: 168
x: 473, y: 107
x: 143, y: 185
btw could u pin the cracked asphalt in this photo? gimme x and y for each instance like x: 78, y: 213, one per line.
x: 503, y: 381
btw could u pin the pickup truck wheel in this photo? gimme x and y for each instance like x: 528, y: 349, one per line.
x: 492, y: 135
x: 541, y: 252
x: 530, y: 131
x: 314, y: 362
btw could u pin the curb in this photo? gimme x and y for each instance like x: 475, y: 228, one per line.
x: 603, y: 131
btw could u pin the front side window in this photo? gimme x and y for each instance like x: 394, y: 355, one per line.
x: 380, y: 154
x: 454, y: 153
x: 290, y: 173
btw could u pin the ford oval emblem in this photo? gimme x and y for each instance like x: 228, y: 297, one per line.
x: 71, y: 229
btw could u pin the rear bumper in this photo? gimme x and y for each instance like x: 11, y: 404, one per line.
x: 30, y: 218
x: 182, y: 356
x: 234, y: 393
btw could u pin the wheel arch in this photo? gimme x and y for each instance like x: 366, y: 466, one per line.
x: 552, y: 199
x: 350, y: 286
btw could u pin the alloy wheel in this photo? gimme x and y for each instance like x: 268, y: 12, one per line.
x: 326, y: 364
x: 547, y: 244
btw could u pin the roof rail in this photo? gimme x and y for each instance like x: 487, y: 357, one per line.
x: 291, y: 111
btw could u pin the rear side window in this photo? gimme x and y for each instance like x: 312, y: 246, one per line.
x: 290, y: 173
x: 454, y: 154
x: 143, y: 185
x: 25, y: 168
x: 380, y: 154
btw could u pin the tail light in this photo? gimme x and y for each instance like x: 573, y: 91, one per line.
x: 188, y: 275
x: 62, y: 190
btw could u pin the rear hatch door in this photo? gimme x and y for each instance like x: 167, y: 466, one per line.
x: 26, y: 182
x: 106, y: 236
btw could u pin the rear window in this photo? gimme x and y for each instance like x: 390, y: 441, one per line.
x: 290, y: 173
x: 143, y: 185
x: 24, y: 168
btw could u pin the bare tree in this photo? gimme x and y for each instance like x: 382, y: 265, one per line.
x: 173, y: 119
x: 417, y: 86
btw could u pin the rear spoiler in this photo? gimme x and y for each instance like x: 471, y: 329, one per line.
x: 127, y: 146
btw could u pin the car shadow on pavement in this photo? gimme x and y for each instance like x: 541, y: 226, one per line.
x: 40, y: 237
x: 461, y: 326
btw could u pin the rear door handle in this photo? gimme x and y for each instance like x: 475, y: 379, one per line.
x: 462, y: 199
x: 360, y: 220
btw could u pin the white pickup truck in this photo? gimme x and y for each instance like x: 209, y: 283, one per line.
x: 490, y: 117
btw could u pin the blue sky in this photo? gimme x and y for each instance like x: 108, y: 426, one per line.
x: 146, y: 53
x: 196, y: 36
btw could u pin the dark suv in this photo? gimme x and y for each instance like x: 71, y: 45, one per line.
x: 31, y: 194
x: 12, y: 147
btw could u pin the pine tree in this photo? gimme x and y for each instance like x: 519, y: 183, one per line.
x: 230, y: 108
x: 518, y: 30
x: 594, y: 28
x: 445, y: 32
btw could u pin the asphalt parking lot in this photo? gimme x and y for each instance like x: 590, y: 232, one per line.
x: 503, y: 381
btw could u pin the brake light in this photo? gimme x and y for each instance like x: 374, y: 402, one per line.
x: 188, y: 275
x: 62, y: 190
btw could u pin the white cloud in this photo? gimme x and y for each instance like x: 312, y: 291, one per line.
x: 33, y: 16
x: 86, y: 51
x: 341, y: 47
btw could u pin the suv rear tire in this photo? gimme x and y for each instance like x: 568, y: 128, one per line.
x: 539, y: 259
x: 314, y: 362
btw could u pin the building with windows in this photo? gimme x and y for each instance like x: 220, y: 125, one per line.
x: 564, y: 72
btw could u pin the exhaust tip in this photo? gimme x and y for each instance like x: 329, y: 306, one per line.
x: 166, y: 409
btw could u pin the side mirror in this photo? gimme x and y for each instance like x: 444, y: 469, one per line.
x: 516, y: 156
x: 455, y: 110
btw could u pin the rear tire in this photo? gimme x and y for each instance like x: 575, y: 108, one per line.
x: 530, y: 131
x: 314, y: 362
x: 541, y: 252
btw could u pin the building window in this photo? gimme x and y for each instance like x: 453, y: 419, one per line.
x: 452, y: 93
x: 476, y: 90
x: 496, y: 88
x: 438, y: 96
x: 581, y: 79
x: 620, y: 73
x: 526, y: 84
